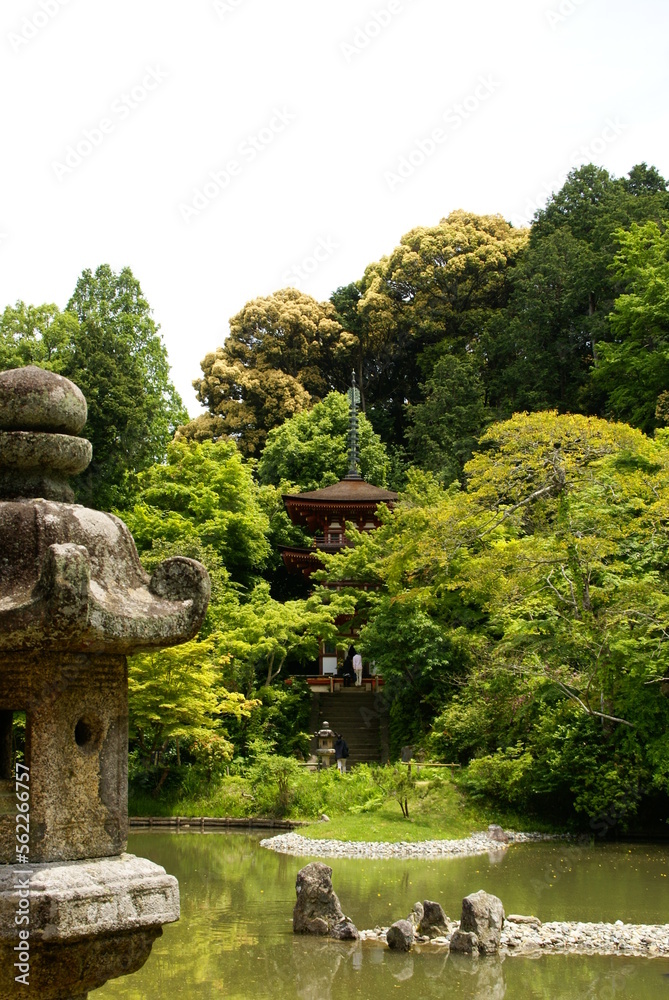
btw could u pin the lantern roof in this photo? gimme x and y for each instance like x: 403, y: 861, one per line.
x: 70, y: 577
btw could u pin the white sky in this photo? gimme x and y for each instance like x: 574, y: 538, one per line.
x: 545, y: 84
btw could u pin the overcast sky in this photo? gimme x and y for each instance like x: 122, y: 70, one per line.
x: 224, y: 149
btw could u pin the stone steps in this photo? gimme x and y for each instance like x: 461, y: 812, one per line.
x: 355, y: 715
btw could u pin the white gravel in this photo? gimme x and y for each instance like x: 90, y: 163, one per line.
x: 477, y: 843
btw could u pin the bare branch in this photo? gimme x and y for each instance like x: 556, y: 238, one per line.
x: 587, y: 709
x: 521, y: 503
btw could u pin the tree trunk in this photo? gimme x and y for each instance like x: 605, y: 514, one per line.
x: 270, y: 675
x: 591, y: 312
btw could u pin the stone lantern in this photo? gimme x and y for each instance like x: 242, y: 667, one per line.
x: 326, y: 740
x: 74, y: 603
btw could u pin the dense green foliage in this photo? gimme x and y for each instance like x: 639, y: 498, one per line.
x: 529, y: 613
x: 109, y: 345
x: 311, y: 450
x: 205, y: 493
x: 521, y: 607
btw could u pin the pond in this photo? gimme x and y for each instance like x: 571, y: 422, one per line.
x: 235, y: 938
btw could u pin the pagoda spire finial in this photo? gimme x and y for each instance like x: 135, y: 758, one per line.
x: 354, y: 446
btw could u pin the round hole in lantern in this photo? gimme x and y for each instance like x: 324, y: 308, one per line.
x: 87, y: 733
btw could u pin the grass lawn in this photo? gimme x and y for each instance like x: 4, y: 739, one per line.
x: 438, y: 810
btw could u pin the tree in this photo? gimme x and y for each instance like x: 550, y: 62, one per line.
x: 175, y: 699
x: 204, y: 493
x: 311, y: 450
x: 265, y: 632
x: 547, y: 579
x: 634, y: 367
x: 433, y: 294
x: 537, y: 353
x: 37, y: 335
x: 120, y: 363
x: 443, y: 429
x: 275, y: 363
x: 106, y: 342
x: 549, y: 338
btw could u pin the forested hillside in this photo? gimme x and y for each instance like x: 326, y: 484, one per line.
x: 515, y: 389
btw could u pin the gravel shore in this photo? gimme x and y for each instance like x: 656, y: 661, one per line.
x: 528, y: 936
x: 477, y: 843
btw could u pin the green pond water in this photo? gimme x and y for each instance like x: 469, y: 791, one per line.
x: 235, y: 940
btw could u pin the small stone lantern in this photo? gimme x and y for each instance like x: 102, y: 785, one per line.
x: 74, y: 603
x: 326, y: 740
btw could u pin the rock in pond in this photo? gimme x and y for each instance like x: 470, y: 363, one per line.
x: 400, y: 935
x: 433, y: 922
x: 317, y: 910
x: 465, y: 942
x: 496, y: 833
x: 483, y: 915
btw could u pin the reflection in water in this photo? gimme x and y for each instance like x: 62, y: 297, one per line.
x: 235, y: 937
x: 486, y: 976
x: 316, y: 963
x: 404, y: 968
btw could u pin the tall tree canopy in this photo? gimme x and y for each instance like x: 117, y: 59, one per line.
x: 311, y: 450
x: 432, y: 295
x: 540, y: 352
x: 633, y: 368
x: 120, y: 364
x: 37, y: 335
x: 276, y: 362
x: 106, y: 342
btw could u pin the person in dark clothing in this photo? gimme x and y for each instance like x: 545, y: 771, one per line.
x: 347, y: 671
x: 341, y: 753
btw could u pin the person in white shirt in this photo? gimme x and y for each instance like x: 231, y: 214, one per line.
x: 357, y: 666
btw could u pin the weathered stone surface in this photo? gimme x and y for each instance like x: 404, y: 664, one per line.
x: 74, y: 600
x: 39, y: 414
x: 400, y: 935
x: 345, y: 930
x: 70, y: 578
x: 90, y: 921
x: 520, y: 918
x: 317, y: 910
x: 434, y: 922
x: 465, y: 942
x: 86, y: 898
x: 416, y: 914
x: 496, y: 833
x: 77, y: 709
x: 33, y: 399
x: 483, y: 915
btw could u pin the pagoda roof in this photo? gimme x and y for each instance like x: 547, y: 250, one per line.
x: 346, y: 490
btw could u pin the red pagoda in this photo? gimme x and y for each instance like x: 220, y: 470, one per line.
x: 324, y: 514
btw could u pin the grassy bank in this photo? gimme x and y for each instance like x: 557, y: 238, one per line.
x: 362, y: 805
